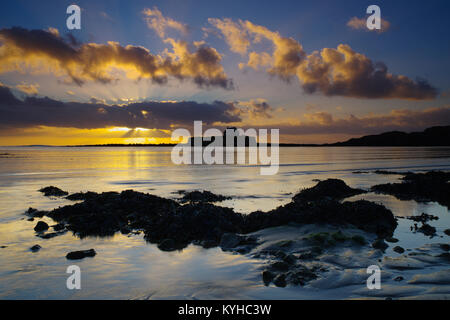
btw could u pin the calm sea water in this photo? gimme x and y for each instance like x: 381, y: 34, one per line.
x: 128, y: 267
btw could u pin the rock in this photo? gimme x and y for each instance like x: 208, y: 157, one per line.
x: 230, y: 240
x: 267, y: 277
x: 208, y: 244
x: 300, y: 276
x: 423, y: 218
x: 280, y: 281
x: 307, y: 255
x: 290, y: 259
x: 201, y: 196
x: 167, y: 245
x: 331, y: 188
x: 30, y: 219
x: 398, y: 249
x: 76, y: 255
x: 3, y: 247
x: 363, y: 214
x: 380, y: 244
x: 399, y: 278
x: 427, y: 230
x: 35, y: 248
x: 53, y: 192
x: 359, y: 240
x: 447, y: 232
x: 50, y: 235
x: 34, y: 213
x: 445, y: 246
x: 41, y: 226
x: 59, y: 227
x: 104, y: 214
x: 385, y: 172
x: 280, y: 266
x: 391, y: 239
x: 422, y: 187
x: 280, y: 254
x: 30, y: 211
x: 125, y: 230
x: 82, y: 196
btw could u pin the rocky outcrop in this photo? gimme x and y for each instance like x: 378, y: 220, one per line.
x: 41, y: 226
x: 331, y: 188
x: 76, y: 255
x: 201, y: 197
x: 173, y: 226
x: 422, y: 187
x: 53, y: 192
x: 363, y: 214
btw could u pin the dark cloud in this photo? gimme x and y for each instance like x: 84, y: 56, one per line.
x: 47, y: 51
x: 254, y: 109
x: 37, y: 111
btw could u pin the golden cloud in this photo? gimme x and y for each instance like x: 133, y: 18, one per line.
x: 344, y: 72
x: 340, y: 71
x: 235, y: 37
x: 42, y: 51
x: 28, y: 88
x: 156, y: 21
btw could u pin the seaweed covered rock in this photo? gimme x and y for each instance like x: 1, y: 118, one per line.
x: 35, y: 248
x: 41, y: 226
x: 76, y: 255
x: 53, y: 192
x: 202, y: 221
x: 173, y: 226
x: 363, y: 214
x: 82, y: 196
x: 423, y: 218
x: 106, y: 213
x: 427, y: 230
x: 331, y: 188
x: 422, y: 187
x: 201, y: 197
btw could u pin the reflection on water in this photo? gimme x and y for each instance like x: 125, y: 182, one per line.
x: 127, y: 267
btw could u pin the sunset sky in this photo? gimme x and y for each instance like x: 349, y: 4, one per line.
x: 138, y: 69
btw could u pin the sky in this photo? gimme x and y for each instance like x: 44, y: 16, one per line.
x: 136, y: 70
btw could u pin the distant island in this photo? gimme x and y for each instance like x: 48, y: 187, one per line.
x: 431, y: 137
x: 434, y: 136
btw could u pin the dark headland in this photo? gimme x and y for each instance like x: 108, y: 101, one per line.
x: 430, y: 137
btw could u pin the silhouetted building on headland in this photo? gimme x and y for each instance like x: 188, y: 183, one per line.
x: 231, y: 137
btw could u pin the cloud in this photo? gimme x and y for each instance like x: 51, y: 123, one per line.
x: 333, y: 72
x: 255, y: 109
x: 203, y: 64
x: 397, y: 119
x: 287, y: 52
x: 361, y: 24
x: 344, y: 72
x: 28, y: 88
x: 106, y: 16
x: 156, y: 21
x: 37, y: 111
x: 42, y: 51
x: 235, y: 37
